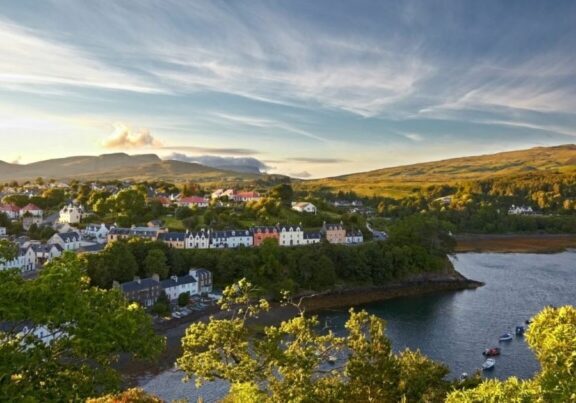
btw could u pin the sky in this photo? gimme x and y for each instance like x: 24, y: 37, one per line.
x: 306, y: 88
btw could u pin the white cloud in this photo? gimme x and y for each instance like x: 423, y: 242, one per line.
x: 413, y: 136
x: 124, y: 137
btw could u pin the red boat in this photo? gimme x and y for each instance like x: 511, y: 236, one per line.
x: 491, y: 352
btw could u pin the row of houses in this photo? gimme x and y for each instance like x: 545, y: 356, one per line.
x: 147, y: 291
x: 32, y: 254
x: 285, y: 235
x: 13, y: 212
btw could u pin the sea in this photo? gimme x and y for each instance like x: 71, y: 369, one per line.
x: 451, y: 327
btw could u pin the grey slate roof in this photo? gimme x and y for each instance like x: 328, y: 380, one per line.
x: 143, y: 284
x: 71, y: 236
x: 172, y: 236
x: 169, y: 282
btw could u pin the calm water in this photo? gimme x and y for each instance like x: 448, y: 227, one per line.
x: 455, y: 327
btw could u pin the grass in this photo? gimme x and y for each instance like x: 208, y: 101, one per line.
x: 399, y: 182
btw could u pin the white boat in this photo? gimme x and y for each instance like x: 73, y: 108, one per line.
x: 488, y: 364
x: 506, y: 337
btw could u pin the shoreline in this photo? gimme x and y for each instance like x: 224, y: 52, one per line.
x: 138, y: 373
x: 515, y: 243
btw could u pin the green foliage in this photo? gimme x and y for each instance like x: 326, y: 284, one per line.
x: 184, y: 299
x: 155, y: 263
x: 8, y: 250
x: 291, y: 361
x: 162, y: 305
x: 91, y: 327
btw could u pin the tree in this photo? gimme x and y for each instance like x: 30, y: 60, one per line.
x: 284, y: 193
x: 89, y: 327
x: 8, y: 251
x: 155, y: 263
x: 290, y: 362
x: 162, y: 305
x: 184, y: 299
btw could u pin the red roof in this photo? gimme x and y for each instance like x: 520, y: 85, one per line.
x: 31, y: 207
x: 9, y: 207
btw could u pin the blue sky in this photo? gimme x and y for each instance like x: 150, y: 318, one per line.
x: 310, y: 88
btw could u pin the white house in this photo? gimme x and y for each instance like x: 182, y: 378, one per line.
x: 291, y: 235
x: 32, y: 210
x: 193, y: 201
x: 12, y: 211
x: 197, y: 240
x: 304, y: 207
x: 204, y: 279
x: 520, y: 210
x: 246, y: 196
x: 71, y: 214
x: 25, y: 260
x: 354, y: 237
x: 174, y: 286
x: 46, y: 252
x: 98, y: 232
x: 67, y: 240
x: 312, y: 237
x: 231, y: 238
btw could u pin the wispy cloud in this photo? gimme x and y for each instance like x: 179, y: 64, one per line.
x: 31, y: 60
x: 313, y: 160
x: 214, y: 150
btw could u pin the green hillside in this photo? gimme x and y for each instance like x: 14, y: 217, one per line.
x: 399, y: 181
x: 125, y: 167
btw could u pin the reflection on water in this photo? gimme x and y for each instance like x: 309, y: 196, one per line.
x: 456, y: 327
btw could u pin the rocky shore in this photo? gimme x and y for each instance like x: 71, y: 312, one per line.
x: 515, y: 243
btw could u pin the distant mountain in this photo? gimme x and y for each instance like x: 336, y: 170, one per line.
x: 120, y: 166
x: 401, y: 180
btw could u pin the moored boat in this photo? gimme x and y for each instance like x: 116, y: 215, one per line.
x: 520, y: 330
x: 506, y: 337
x: 491, y: 352
x: 488, y: 364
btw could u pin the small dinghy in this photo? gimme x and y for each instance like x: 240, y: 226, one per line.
x: 506, y: 337
x: 520, y: 330
x: 491, y: 352
x: 488, y: 364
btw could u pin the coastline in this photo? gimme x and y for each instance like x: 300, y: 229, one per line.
x: 515, y: 243
x: 138, y: 373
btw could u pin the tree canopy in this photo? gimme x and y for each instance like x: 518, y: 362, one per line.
x: 59, y: 336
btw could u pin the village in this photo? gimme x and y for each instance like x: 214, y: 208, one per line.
x: 72, y: 228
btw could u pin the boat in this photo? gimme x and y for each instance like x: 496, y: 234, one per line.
x: 520, y: 330
x: 489, y: 364
x: 491, y: 352
x: 506, y: 337
x: 332, y: 359
x: 464, y: 376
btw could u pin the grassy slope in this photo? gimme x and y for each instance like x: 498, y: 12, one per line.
x: 399, y: 181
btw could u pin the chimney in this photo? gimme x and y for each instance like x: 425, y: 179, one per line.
x: 155, y: 277
x: 115, y: 284
x: 137, y: 279
x: 175, y: 278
